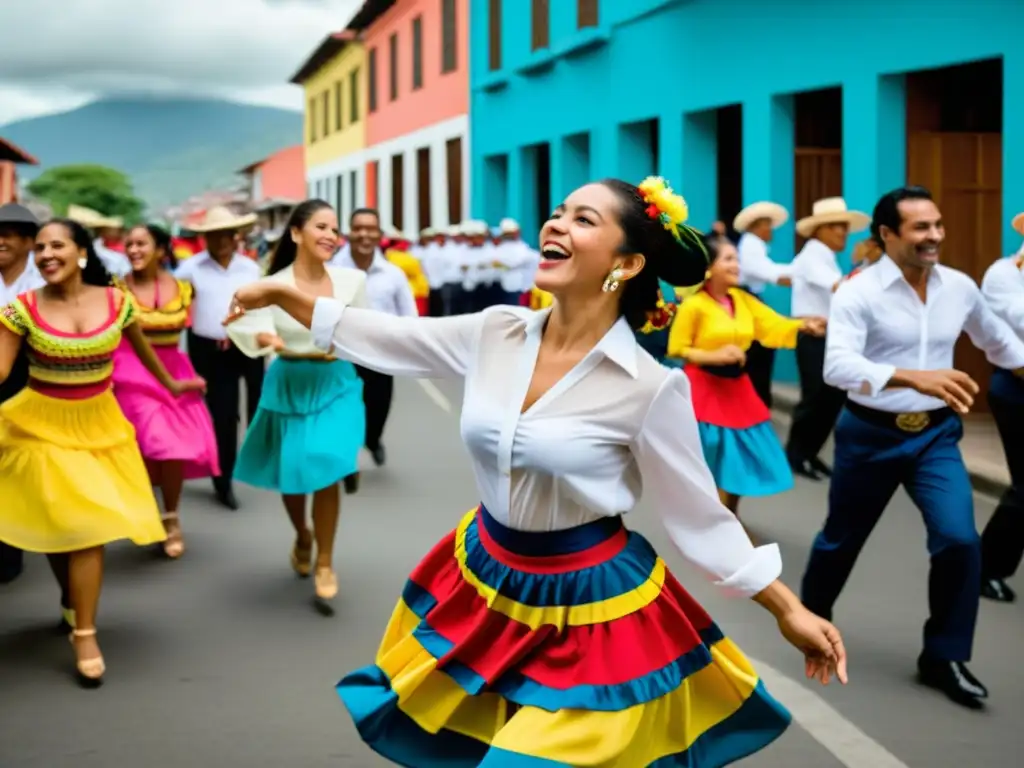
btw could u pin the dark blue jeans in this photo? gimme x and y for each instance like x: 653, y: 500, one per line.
x: 871, y: 462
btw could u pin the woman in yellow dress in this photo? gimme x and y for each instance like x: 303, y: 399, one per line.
x: 712, y: 331
x: 71, y: 475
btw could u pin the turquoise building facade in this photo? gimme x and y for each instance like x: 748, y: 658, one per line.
x: 736, y: 101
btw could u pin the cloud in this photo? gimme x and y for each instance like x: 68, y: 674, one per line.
x: 65, y: 53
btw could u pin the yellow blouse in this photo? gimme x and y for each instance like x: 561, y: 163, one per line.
x: 410, y: 265
x: 702, y: 323
x: 540, y: 299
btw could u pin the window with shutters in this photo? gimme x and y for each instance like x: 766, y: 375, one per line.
x: 494, y: 35
x: 371, y: 76
x: 417, y: 53
x: 326, y: 107
x: 311, y: 120
x: 449, y: 37
x: 393, y: 58
x: 339, y: 106
x: 353, y: 96
x: 586, y: 13
x: 540, y: 25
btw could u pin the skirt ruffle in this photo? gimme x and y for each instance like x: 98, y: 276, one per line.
x: 740, y: 444
x: 71, y: 475
x: 308, y: 430
x: 167, y: 428
x: 573, y: 648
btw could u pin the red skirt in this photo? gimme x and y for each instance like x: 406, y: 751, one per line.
x: 732, y: 403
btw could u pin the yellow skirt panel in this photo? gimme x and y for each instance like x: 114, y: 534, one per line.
x: 71, y: 475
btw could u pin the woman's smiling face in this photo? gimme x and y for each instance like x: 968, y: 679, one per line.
x: 57, y: 254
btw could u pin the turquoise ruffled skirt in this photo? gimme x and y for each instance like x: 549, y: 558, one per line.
x: 308, y: 430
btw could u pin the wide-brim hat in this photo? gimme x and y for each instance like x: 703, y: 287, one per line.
x: 12, y: 213
x: 509, y: 227
x: 760, y: 210
x: 87, y: 217
x: 1018, y: 223
x: 222, y: 219
x: 832, y: 210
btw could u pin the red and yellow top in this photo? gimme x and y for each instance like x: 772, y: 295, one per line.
x: 164, y: 323
x: 70, y: 366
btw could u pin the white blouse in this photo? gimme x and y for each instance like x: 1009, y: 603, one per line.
x: 349, y: 287
x: 585, y: 449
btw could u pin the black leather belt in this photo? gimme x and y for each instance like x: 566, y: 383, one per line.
x: 909, y: 423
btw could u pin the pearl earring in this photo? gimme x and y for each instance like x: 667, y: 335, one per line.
x: 612, y: 282
x: 82, y: 262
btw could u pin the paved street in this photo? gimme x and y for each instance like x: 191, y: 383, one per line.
x: 221, y: 660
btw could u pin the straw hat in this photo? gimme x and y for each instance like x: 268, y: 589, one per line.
x: 832, y: 210
x: 509, y: 227
x: 221, y: 219
x: 427, y: 232
x: 1018, y: 223
x: 87, y: 217
x: 757, y: 211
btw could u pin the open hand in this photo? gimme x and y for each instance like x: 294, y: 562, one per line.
x: 955, y: 388
x: 252, y: 296
x: 819, y: 642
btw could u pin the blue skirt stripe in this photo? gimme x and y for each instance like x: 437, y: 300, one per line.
x: 551, y: 543
x: 623, y: 573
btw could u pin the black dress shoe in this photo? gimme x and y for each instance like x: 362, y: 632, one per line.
x: 820, y: 467
x: 226, y: 496
x: 379, y: 457
x: 998, y: 590
x: 352, y: 483
x: 803, y: 469
x: 953, y: 679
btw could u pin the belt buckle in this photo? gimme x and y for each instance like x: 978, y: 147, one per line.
x: 913, y: 422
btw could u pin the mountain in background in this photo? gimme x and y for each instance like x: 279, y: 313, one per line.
x: 171, y: 148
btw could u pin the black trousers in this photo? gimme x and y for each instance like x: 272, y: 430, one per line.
x: 223, y: 369
x: 377, y: 392
x: 1002, y: 543
x: 12, y: 561
x: 435, y: 302
x: 816, y: 413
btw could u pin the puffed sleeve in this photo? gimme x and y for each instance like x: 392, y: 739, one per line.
x: 420, y: 347
x: 244, y: 330
x: 13, y: 318
x: 671, y: 461
x: 127, y: 309
x: 770, y: 328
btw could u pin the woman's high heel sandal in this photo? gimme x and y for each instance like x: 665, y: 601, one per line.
x: 302, y: 560
x: 90, y: 671
x: 326, y: 583
x: 174, y: 544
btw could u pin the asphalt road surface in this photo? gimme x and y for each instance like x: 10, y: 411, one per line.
x: 221, y: 660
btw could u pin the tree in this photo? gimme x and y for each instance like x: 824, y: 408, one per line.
x: 105, y: 190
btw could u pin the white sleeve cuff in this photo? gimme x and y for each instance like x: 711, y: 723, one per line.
x: 877, y: 377
x: 761, y: 570
x: 326, y: 316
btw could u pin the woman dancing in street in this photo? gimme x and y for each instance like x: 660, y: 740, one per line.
x: 175, y: 434
x: 310, y: 425
x: 71, y: 475
x: 542, y: 630
x: 712, y: 331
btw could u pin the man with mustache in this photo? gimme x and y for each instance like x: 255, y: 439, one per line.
x: 891, y: 335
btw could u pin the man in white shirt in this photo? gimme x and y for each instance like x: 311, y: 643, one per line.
x: 519, y: 263
x: 388, y: 291
x: 1002, y: 542
x: 18, y: 275
x: 816, y: 275
x: 891, y: 336
x: 757, y: 223
x: 216, y: 274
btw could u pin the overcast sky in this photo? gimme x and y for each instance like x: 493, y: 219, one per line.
x: 58, y: 54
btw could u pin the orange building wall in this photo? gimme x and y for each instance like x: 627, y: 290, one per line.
x: 283, y: 174
x: 443, y: 96
x: 8, y: 182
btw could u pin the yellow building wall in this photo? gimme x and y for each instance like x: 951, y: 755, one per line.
x: 323, y: 147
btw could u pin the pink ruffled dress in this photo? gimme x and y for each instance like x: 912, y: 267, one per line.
x: 167, y: 428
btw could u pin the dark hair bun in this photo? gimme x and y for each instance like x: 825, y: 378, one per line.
x: 681, y: 264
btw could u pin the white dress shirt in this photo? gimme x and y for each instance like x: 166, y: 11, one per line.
x: 521, y: 263
x: 757, y: 269
x: 1003, y: 289
x: 617, y: 424
x: 814, y: 271
x: 349, y: 287
x: 214, y: 287
x: 28, y: 280
x: 386, y: 285
x: 878, y: 324
x: 115, y: 262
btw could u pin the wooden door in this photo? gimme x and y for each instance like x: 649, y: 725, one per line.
x: 964, y: 171
x: 453, y: 164
x: 398, y: 192
x: 818, y: 173
x: 423, y: 186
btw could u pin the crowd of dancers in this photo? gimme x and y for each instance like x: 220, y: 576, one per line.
x: 116, y: 384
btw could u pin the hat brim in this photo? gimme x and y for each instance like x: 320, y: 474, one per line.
x: 771, y: 211
x: 1018, y: 223
x: 239, y: 222
x: 857, y: 221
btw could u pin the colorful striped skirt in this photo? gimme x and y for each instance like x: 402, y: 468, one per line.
x: 552, y: 650
x: 736, y: 433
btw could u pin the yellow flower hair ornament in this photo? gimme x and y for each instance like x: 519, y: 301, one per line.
x: 668, y: 208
